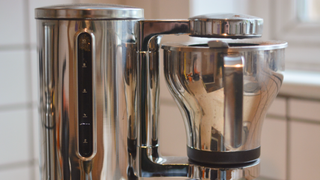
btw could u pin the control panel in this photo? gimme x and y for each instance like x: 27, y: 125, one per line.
x: 85, y: 112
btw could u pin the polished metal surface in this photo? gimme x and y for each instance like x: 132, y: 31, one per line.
x: 245, y: 172
x: 114, y: 98
x: 151, y: 163
x: 150, y: 32
x: 88, y: 11
x: 125, y: 86
x: 233, y: 100
x: 226, y: 26
x: 196, y: 78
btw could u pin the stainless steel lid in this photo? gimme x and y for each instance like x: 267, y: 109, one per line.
x: 233, y: 45
x: 88, y: 11
x: 226, y: 26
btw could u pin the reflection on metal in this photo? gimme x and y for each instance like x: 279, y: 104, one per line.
x: 194, y: 76
x: 233, y: 99
x: 60, y: 159
x: 125, y: 96
x: 244, y: 172
x: 47, y: 99
x: 226, y: 26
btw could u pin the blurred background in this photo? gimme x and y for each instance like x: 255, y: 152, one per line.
x: 290, y: 144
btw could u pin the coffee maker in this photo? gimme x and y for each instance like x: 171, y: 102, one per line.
x: 99, y: 93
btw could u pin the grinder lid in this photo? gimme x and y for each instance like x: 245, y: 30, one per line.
x: 88, y: 11
x: 226, y: 26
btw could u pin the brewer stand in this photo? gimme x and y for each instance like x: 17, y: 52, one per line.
x: 230, y: 73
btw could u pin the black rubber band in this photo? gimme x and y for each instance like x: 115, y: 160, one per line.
x: 236, y: 157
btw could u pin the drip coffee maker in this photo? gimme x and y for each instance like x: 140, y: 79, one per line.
x: 99, y: 93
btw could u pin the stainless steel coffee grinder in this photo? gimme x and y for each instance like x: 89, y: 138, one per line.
x: 99, y: 93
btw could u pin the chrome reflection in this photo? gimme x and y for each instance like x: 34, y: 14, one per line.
x: 126, y: 97
x: 195, y: 78
x: 115, y: 121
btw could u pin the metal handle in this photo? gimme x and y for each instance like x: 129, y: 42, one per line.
x: 233, y: 99
x: 233, y: 95
x: 150, y: 32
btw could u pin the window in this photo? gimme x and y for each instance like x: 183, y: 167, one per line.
x: 296, y: 21
x: 308, y: 10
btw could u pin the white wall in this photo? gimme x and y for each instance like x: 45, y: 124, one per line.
x: 18, y: 76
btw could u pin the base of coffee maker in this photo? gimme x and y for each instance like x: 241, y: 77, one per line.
x: 223, y: 158
x: 248, y: 171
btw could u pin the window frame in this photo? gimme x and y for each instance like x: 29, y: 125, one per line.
x: 303, y: 37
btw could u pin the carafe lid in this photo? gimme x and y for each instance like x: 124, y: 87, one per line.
x: 88, y: 11
x: 234, y: 26
x: 232, y: 45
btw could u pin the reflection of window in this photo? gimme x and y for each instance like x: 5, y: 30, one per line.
x: 309, y: 10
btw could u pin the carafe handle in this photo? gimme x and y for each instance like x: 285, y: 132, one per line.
x: 233, y: 99
x: 233, y: 95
